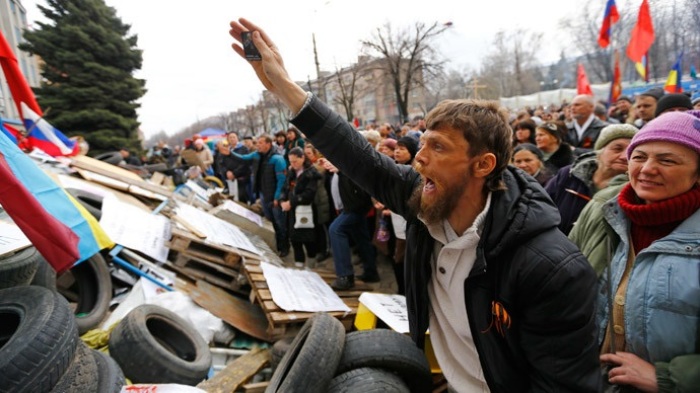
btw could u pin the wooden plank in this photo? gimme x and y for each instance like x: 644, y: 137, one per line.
x: 246, y: 317
x: 117, y: 173
x: 294, y: 317
x: 237, y: 373
x: 157, y: 178
x: 216, y: 274
x: 258, y: 387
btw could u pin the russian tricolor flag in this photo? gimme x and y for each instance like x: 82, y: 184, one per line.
x: 40, y: 133
x: 610, y: 17
x: 46, y: 137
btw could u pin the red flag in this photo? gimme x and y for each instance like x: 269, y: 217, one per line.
x: 642, y: 34
x: 610, y: 18
x: 616, y: 85
x: 583, y: 86
x: 21, y: 92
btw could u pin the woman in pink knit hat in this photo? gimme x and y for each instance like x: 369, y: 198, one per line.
x: 649, y: 295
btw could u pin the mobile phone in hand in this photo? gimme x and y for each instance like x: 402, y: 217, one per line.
x: 251, y: 52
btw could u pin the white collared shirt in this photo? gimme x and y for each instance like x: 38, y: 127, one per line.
x: 581, y: 129
x: 450, y: 334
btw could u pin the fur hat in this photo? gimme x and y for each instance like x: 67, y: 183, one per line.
x: 372, y: 136
x: 669, y: 101
x: 612, y: 132
x: 682, y: 128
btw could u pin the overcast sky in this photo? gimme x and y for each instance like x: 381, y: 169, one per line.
x: 192, y: 73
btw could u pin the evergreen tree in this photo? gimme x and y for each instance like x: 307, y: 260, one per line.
x: 88, y: 61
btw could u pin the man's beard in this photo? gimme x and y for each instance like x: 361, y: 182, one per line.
x: 442, y: 207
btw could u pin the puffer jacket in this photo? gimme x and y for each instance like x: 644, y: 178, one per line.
x: 523, y: 261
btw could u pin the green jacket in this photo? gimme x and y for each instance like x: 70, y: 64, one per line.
x: 590, y: 232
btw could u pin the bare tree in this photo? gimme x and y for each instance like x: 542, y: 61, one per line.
x: 409, y: 58
x: 350, y: 84
x: 251, y: 119
x: 450, y: 84
x: 511, y: 68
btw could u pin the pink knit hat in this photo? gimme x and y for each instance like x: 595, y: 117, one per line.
x: 682, y: 128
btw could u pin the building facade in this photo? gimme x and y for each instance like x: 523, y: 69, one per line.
x: 13, y: 21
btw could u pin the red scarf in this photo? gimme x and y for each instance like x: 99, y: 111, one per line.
x: 656, y: 220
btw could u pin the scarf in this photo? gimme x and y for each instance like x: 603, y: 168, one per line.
x: 654, y: 221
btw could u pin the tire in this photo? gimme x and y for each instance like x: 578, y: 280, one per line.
x: 279, y: 349
x: 154, y: 345
x: 91, y: 202
x: 88, y: 284
x: 110, y: 376
x: 18, y: 268
x: 368, y: 380
x: 38, y: 339
x: 388, y: 350
x: 45, y: 276
x: 310, y: 363
x: 81, y: 375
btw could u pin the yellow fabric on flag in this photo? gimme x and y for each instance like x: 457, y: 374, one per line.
x: 641, y: 69
x: 103, y: 241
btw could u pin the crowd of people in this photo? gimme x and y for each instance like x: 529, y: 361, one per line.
x: 553, y: 249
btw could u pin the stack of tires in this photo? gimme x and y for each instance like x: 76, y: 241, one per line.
x: 40, y: 348
x: 322, y: 358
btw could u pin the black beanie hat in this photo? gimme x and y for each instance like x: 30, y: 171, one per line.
x: 410, y: 143
x: 676, y: 100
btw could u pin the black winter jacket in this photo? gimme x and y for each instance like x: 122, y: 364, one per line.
x: 587, y: 140
x: 523, y: 261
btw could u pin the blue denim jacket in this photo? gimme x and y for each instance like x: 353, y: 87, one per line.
x: 662, y: 303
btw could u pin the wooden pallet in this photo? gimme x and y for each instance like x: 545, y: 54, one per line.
x: 219, y: 275
x: 187, y: 243
x: 279, y: 320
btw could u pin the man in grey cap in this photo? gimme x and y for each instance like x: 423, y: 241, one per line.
x: 645, y: 106
x: 696, y: 103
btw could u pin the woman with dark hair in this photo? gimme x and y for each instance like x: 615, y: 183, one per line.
x: 294, y: 139
x: 529, y: 158
x: 524, y: 132
x: 280, y: 143
x: 557, y: 153
x: 300, y: 189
